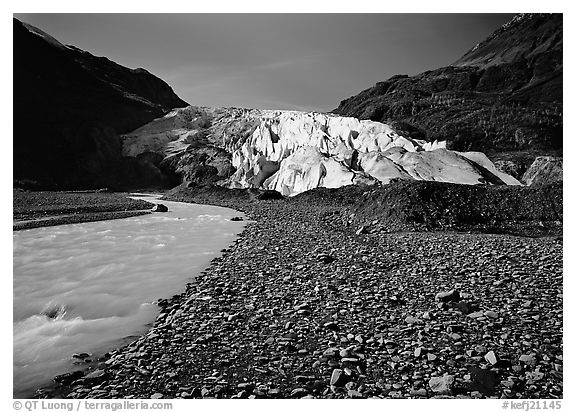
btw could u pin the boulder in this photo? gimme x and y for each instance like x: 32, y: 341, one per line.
x: 484, y: 381
x: 449, y: 296
x: 544, y: 170
x: 270, y: 195
x: 491, y: 358
x: 159, y: 208
x: 68, y: 378
x: 98, y: 375
x: 441, y: 385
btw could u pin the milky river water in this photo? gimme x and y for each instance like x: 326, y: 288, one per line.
x: 91, y: 287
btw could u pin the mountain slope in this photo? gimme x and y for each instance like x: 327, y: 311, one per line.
x: 70, y: 106
x: 505, y: 94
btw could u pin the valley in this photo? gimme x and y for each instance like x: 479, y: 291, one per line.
x: 406, y: 244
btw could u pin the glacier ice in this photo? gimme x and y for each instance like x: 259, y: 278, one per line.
x: 292, y: 151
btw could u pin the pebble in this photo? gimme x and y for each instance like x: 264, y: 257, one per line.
x: 338, y: 377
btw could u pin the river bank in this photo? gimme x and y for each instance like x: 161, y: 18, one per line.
x: 305, y: 305
x: 82, y: 290
x: 40, y: 209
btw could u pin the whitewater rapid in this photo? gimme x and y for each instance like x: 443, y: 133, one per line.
x: 91, y: 287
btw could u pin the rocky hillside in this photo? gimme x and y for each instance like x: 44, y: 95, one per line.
x: 70, y: 106
x: 505, y: 94
x: 291, y: 152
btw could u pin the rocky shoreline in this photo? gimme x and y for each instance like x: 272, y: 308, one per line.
x: 50, y: 208
x: 300, y: 306
x: 77, y: 218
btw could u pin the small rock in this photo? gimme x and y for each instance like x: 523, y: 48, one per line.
x: 491, y: 314
x: 324, y: 258
x: 303, y: 378
x: 480, y: 349
x: 246, y: 386
x: 418, y: 392
x: 355, y: 394
x: 536, y: 375
x: 274, y: 393
x: 237, y: 219
x: 298, y: 393
x: 157, y: 395
x: 330, y: 353
x: 302, y: 306
x: 269, y: 341
x: 412, y: 320
x: 338, y: 378
x: 350, y: 385
x: 332, y: 326
x: 362, y: 230
x: 527, y: 359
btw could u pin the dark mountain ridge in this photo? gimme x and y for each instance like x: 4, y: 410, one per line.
x: 505, y: 94
x: 70, y: 107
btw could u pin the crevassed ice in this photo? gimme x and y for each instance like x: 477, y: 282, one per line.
x: 308, y: 149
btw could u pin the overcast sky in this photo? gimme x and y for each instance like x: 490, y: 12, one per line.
x: 275, y: 61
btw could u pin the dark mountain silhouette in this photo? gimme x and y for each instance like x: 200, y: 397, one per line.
x: 70, y: 107
x: 504, y: 95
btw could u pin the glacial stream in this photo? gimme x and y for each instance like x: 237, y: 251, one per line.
x: 91, y: 287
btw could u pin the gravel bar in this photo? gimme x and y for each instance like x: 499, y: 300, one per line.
x: 300, y: 307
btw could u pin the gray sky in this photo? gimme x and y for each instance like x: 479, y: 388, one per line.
x: 275, y: 61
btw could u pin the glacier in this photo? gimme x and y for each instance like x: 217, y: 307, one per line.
x: 293, y: 151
